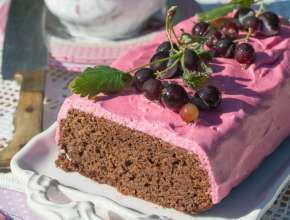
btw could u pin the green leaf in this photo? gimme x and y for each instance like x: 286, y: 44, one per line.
x: 99, y: 79
x: 206, y: 55
x: 223, y: 10
x: 216, y: 12
x: 243, y: 3
x: 193, y: 79
x: 186, y: 38
x: 196, y: 79
x: 199, y: 49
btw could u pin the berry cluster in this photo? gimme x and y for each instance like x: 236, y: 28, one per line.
x: 185, y: 58
x: 222, y: 37
x: 174, y: 96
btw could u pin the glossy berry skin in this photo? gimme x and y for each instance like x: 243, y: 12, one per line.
x: 166, y: 47
x: 200, y: 29
x: 173, y: 69
x: 196, y: 100
x: 242, y: 14
x: 270, y: 24
x: 212, y: 38
x: 190, y: 59
x: 174, y: 97
x: 160, y: 65
x: 152, y: 89
x: 209, y: 97
x: 253, y: 23
x: 225, y: 48
x: 189, y: 113
x: 230, y: 29
x: 245, y: 53
x: 141, y: 76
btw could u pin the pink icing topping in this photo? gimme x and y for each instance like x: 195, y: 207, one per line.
x: 230, y: 141
x: 2, y: 217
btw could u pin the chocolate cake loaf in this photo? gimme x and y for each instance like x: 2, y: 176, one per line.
x: 148, y: 151
x: 136, y: 163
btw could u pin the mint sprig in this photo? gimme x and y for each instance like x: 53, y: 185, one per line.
x: 223, y: 10
x: 99, y: 79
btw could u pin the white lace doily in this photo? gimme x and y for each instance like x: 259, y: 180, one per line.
x: 9, y: 94
x: 55, y: 93
x: 281, y: 208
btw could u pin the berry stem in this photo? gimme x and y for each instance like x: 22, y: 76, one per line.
x: 169, y: 26
x: 175, y: 56
x: 174, y: 34
x: 159, y: 74
x: 261, y: 8
x: 249, y: 33
x: 194, y: 41
x: 169, y: 16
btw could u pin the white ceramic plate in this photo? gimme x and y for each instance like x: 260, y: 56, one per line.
x: 34, y: 165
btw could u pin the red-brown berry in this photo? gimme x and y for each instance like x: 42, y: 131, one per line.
x: 245, y: 53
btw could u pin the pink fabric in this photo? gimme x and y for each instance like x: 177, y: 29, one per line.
x: 77, y: 57
x: 3, y: 12
x: 2, y: 217
x: 13, y: 205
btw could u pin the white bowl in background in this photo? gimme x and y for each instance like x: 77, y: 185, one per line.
x: 109, y: 19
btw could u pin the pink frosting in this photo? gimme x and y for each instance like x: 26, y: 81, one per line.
x: 230, y: 141
x: 2, y: 217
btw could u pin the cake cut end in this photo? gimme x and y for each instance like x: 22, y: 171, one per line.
x: 136, y: 163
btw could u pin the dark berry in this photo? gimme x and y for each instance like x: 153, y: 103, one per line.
x: 245, y: 53
x: 209, y: 30
x: 252, y: 22
x: 165, y: 83
x: 207, y: 97
x: 196, y: 100
x: 141, y: 76
x: 174, y: 97
x: 165, y: 46
x: 174, y: 69
x: 230, y: 29
x: 270, y: 24
x: 212, y: 38
x: 242, y: 14
x: 200, y: 29
x: 190, y: 59
x: 159, y: 66
x: 152, y: 89
x: 225, y: 48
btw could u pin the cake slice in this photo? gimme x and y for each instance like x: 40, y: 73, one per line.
x: 147, y: 151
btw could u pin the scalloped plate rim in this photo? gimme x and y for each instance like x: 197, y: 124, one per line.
x: 18, y: 168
